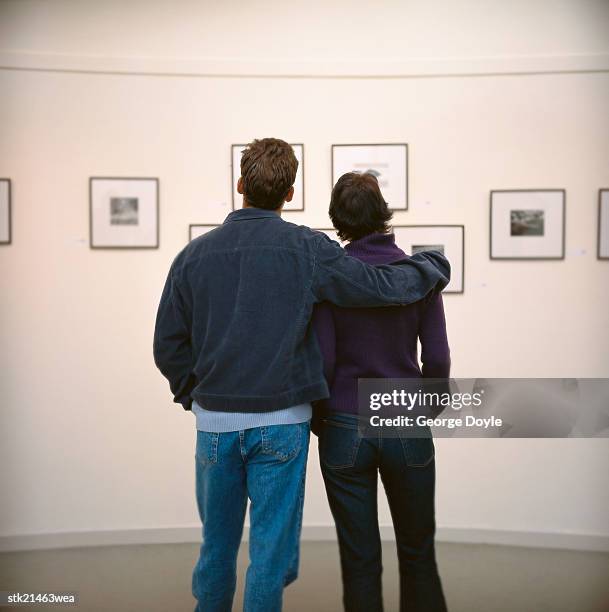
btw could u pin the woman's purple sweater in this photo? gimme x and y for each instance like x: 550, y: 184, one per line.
x: 379, y: 342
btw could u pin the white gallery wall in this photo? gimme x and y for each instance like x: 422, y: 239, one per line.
x: 488, y: 95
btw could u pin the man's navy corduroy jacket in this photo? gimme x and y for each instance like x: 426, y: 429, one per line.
x: 233, y: 324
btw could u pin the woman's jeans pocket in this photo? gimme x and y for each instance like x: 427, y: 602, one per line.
x: 418, y: 451
x: 338, y: 444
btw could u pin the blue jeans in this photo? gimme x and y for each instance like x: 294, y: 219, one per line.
x: 350, y: 465
x: 266, y: 464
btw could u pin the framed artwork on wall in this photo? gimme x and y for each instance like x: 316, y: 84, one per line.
x: 527, y: 224
x: 5, y: 211
x: 124, y: 213
x: 198, y: 229
x: 388, y: 162
x: 297, y: 203
x: 447, y: 239
x: 603, y: 224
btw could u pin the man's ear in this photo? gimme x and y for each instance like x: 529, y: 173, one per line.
x: 290, y: 194
x: 240, y: 186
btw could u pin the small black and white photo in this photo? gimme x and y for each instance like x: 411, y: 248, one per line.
x: 387, y: 162
x: 527, y: 223
x: 449, y: 240
x: 419, y: 248
x: 124, y: 211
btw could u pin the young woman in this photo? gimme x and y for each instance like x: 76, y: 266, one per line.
x: 378, y: 343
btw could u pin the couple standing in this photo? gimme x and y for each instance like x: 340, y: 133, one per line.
x: 258, y: 319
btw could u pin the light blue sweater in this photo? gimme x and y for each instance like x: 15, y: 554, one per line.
x: 221, y: 422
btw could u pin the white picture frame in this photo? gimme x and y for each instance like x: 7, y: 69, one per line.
x: 603, y: 224
x: 5, y: 211
x: 388, y: 162
x: 199, y: 229
x: 298, y: 201
x: 527, y: 224
x: 123, y: 213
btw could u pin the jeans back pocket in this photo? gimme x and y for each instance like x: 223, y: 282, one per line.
x: 283, y: 441
x: 338, y: 444
x: 418, y: 452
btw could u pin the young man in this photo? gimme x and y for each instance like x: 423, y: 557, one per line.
x: 233, y: 338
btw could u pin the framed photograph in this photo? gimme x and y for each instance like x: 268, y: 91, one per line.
x: 5, y: 211
x: 447, y: 239
x: 198, y: 229
x: 124, y: 213
x: 603, y: 224
x: 297, y: 203
x: 527, y: 224
x: 388, y: 162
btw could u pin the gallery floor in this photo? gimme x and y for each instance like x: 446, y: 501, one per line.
x: 476, y: 577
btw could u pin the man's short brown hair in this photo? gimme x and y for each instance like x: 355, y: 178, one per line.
x: 268, y: 170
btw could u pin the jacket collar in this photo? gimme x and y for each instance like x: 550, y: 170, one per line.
x: 244, y: 214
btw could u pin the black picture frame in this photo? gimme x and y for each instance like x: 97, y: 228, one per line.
x: 378, y: 144
x: 10, y: 212
x: 599, y: 230
x: 232, y: 174
x: 157, y: 208
x: 525, y: 258
x: 452, y: 225
x: 407, y: 225
x: 191, y: 225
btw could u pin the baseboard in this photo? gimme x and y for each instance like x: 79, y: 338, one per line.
x: 167, y: 535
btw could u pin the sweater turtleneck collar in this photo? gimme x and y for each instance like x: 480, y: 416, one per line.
x: 376, y: 248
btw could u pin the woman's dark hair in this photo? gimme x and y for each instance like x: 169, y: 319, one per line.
x: 357, y: 207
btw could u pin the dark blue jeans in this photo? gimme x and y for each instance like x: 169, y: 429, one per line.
x: 350, y: 466
x: 266, y: 464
